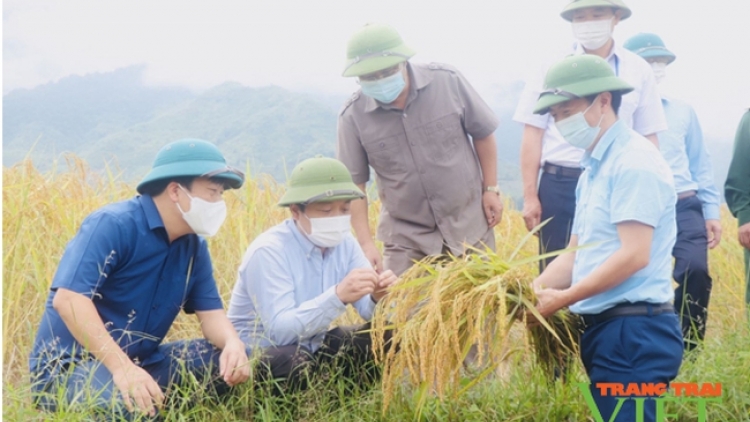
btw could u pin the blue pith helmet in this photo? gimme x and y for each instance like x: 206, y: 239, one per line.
x: 649, y: 46
x: 191, y: 157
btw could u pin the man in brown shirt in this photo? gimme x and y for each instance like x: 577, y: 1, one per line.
x: 430, y: 139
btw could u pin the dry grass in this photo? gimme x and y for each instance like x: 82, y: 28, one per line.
x: 42, y: 212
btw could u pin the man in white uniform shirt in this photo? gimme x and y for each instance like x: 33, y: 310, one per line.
x: 542, y: 146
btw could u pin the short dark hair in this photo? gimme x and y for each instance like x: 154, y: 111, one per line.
x: 616, y: 100
x: 157, y: 187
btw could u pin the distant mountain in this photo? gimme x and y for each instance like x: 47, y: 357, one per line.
x: 77, y: 111
x: 115, y: 119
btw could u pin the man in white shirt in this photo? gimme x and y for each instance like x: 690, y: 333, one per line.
x: 542, y: 146
x: 296, y: 278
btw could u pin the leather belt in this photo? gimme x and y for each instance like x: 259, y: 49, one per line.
x: 562, y: 171
x: 627, y: 309
x: 686, y: 194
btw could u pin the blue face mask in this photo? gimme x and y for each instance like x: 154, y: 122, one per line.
x: 576, y: 130
x: 385, y: 90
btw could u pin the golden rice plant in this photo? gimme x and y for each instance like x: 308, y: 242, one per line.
x: 444, y: 306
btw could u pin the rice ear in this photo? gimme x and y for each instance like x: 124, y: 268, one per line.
x: 441, y: 307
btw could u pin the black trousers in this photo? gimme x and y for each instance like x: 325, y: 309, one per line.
x: 345, y: 350
x: 557, y: 194
x: 691, y: 271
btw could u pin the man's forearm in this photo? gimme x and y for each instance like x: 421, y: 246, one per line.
x: 531, y: 156
x: 216, y: 327
x: 83, y: 321
x: 558, y: 274
x: 360, y: 220
x: 487, y: 153
x: 633, y: 255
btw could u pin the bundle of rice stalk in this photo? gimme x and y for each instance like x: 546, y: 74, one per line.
x: 444, y: 306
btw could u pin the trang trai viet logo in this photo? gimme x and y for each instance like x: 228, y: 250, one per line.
x: 700, y: 393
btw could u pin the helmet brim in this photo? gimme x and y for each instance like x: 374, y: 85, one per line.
x: 195, y: 168
x: 567, y: 13
x: 580, y: 90
x: 333, y: 192
x: 656, y: 52
x: 362, y: 66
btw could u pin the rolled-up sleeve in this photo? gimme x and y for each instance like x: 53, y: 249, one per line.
x: 286, y: 323
x: 638, y: 194
x: 92, y: 255
x: 527, y: 101
x: 479, y: 119
x: 349, y: 150
x: 649, y: 117
x: 203, y: 295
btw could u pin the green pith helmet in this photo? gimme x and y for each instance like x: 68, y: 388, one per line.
x: 319, y: 179
x: 649, y: 46
x: 577, y: 77
x: 191, y: 157
x: 375, y: 47
x: 574, y: 5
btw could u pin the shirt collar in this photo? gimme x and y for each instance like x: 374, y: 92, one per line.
x: 152, y: 213
x: 590, y: 159
x: 419, y: 77
x: 307, y: 246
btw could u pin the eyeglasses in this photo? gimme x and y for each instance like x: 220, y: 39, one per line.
x: 227, y: 169
x: 380, y: 74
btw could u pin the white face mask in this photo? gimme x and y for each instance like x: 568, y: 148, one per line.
x: 328, y: 232
x: 205, y: 218
x: 660, y: 71
x: 576, y: 130
x: 593, y: 34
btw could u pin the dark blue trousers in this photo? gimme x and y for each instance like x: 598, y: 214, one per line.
x: 89, y: 384
x: 691, y: 271
x: 631, y: 349
x: 557, y: 194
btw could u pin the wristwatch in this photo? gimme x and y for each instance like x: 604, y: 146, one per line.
x: 495, y: 189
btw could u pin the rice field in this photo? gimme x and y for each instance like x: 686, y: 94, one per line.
x: 42, y: 211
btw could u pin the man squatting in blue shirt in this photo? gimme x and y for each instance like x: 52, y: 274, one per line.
x: 620, y: 281
x: 698, y: 220
x: 297, y: 278
x: 124, y: 277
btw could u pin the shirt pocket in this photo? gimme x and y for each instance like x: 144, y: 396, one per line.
x: 443, y: 136
x: 594, y: 210
x: 387, y: 154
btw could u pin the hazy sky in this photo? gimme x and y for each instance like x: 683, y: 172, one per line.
x: 301, y: 45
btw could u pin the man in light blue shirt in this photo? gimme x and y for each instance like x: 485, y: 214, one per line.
x: 698, y: 224
x: 620, y: 279
x: 550, y: 196
x: 297, y: 278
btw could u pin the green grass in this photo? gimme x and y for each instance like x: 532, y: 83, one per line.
x: 41, y: 212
